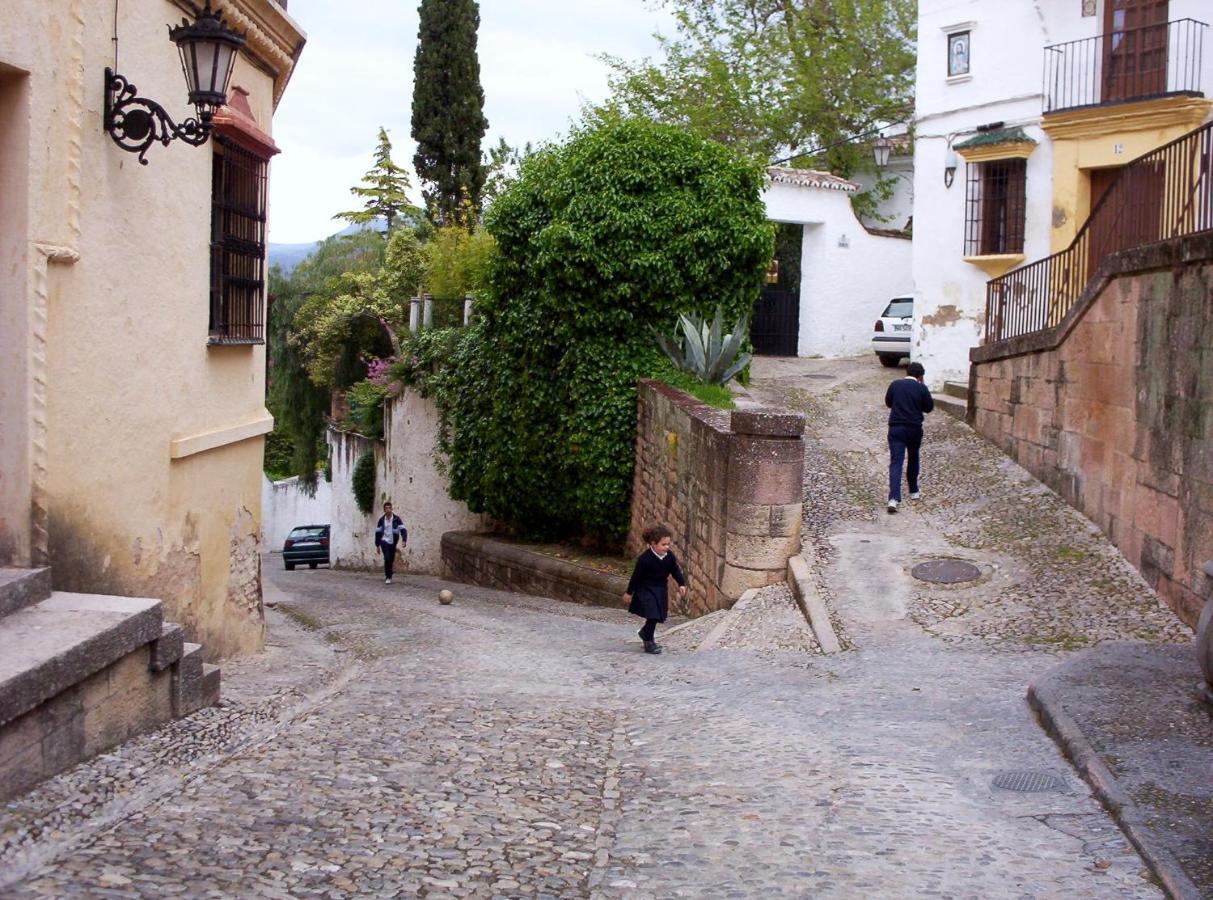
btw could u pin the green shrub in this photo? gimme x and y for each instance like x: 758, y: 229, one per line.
x: 618, y: 231
x: 279, y: 455
x: 456, y: 262
x: 366, y: 407
x: 704, y: 351
x: 715, y: 395
x: 363, y: 481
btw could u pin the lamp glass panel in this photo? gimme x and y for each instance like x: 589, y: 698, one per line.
x: 204, y: 60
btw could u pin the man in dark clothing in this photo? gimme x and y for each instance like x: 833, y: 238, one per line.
x: 907, y: 399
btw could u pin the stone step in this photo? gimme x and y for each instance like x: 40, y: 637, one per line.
x: 58, y: 642
x: 953, y: 407
x: 22, y: 588
x: 957, y: 389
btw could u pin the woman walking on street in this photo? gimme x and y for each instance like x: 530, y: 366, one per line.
x: 647, y: 595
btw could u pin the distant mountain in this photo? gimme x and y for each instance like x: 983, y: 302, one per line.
x: 290, y: 255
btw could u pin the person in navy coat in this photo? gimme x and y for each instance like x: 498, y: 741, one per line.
x: 647, y: 595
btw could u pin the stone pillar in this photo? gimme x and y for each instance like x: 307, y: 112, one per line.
x: 1204, y: 639
x: 467, y: 310
x: 414, y: 314
x: 427, y: 311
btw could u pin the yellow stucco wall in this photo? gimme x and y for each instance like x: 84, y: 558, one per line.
x: 1104, y: 137
x: 116, y: 358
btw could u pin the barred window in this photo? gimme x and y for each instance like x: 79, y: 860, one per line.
x: 238, y: 202
x: 995, y: 207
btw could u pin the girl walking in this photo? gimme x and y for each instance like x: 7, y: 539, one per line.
x: 647, y: 594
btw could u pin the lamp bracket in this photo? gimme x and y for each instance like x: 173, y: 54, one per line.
x: 135, y: 123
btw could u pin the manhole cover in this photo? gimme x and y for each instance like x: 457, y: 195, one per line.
x: 946, y: 571
x: 1029, y: 782
x: 822, y: 375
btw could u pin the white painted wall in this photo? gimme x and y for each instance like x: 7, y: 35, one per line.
x: 407, y: 476
x: 847, y: 274
x: 1007, y: 41
x: 285, y: 505
x: 897, y: 210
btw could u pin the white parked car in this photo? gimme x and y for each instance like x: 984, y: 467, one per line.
x: 893, y: 331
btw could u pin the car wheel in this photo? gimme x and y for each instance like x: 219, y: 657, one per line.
x: 311, y: 565
x: 290, y: 567
x: 889, y: 360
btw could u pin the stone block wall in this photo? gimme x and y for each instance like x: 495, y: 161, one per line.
x: 729, y: 484
x: 1113, y: 409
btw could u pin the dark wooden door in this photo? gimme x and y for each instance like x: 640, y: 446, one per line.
x: 1134, y: 49
x: 776, y: 327
x: 1101, y: 233
x: 1131, y: 216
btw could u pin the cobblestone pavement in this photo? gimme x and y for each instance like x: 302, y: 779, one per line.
x: 513, y: 746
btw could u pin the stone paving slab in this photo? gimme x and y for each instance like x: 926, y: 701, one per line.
x: 1128, y: 717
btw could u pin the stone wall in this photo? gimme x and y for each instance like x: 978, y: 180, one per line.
x: 409, y: 476
x: 490, y: 562
x: 730, y: 486
x: 1113, y: 409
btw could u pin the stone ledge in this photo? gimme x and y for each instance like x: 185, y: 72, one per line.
x: 485, y: 561
x: 767, y: 422
x: 22, y: 588
x: 169, y: 647
x: 59, y: 642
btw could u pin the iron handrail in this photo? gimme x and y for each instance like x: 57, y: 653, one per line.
x: 1092, y: 71
x: 1161, y: 195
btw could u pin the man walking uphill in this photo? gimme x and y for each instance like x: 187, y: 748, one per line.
x: 907, y: 399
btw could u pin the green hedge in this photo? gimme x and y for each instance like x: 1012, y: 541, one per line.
x: 622, y: 228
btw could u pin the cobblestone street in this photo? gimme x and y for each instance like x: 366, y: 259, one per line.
x: 514, y: 746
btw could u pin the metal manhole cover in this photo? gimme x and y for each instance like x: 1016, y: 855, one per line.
x: 1030, y: 782
x: 946, y: 571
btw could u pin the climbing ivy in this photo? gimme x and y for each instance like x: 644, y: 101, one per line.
x: 623, y: 227
x: 363, y: 481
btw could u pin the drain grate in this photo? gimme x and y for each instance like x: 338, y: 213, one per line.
x: 824, y: 376
x: 946, y: 571
x: 1029, y: 782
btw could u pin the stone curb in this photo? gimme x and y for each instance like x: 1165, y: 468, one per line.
x: 1044, y: 699
x: 718, y: 631
x: 811, y: 604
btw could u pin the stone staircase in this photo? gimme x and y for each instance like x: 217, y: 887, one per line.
x: 81, y: 673
x: 954, y: 399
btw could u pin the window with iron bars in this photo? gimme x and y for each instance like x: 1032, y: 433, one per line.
x: 238, y: 202
x: 995, y: 205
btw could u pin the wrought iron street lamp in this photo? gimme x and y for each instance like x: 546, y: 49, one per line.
x: 882, y: 147
x: 208, y: 51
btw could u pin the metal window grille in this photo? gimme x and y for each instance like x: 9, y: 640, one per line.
x: 995, y: 205
x: 238, y: 202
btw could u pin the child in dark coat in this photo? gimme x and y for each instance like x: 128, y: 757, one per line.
x: 647, y: 595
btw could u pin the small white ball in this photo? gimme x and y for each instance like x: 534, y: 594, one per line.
x: 445, y: 597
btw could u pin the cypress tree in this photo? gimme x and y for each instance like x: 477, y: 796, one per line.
x: 448, y: 110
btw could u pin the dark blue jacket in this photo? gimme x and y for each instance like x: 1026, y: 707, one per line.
x: 648, y: 586
x: 908, y: 398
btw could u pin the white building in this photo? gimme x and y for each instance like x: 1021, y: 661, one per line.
x: 1025, y: 111
x: 823, y: 300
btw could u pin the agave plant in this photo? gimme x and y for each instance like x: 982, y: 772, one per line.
x: 703, y: 351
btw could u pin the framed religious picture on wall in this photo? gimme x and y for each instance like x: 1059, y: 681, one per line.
x: 958, y: 53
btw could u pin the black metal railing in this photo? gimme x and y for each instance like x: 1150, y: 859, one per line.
x: 1164, y: 194
x: 1132, y: 64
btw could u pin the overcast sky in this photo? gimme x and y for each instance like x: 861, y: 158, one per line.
x: 537, y: 66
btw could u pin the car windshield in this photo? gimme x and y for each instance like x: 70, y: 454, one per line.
x: 901, y: 308
x: 300, y: 533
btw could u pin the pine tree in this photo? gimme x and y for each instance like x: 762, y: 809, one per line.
x: 383, y: 189
x: 448, y: 110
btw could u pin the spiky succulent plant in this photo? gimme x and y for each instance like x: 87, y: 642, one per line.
x: 703, y: 351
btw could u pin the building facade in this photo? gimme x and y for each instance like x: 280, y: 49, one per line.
x: 1025, y: 113
x: 132, y: 311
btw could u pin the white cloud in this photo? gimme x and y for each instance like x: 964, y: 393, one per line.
x: 537, y: 67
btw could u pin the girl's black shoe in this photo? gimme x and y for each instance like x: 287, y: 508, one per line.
x: 651, y: 647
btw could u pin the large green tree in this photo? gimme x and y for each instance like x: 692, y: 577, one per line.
x: 616, y: 232
x: 448, y: 111
x: 778, y: 77
x: 383, y: 190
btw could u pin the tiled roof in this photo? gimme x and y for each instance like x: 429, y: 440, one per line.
x: 991, y: 138
x: 810, y: 178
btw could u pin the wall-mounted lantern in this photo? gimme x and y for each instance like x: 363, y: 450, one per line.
x: 949, y: 166
x: 881, y: 148
x: 208, y: 51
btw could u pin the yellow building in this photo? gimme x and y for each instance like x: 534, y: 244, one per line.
x: 132, y: 305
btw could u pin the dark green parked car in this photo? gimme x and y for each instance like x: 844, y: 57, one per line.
x: 306, y: 544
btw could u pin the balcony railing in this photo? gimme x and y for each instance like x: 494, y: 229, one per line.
x: 1165, y: 194
x: 1133, y: 64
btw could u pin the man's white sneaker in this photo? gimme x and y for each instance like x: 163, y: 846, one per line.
x: 916, y: 495
x: 387, y: 581
x: 892, y: 507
